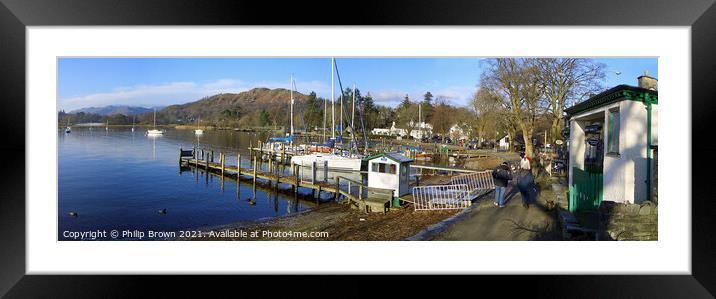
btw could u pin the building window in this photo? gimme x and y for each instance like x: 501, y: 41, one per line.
x: 613, y: 133
x: 384, y: 168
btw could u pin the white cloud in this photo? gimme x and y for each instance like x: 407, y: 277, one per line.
x: 178, y: 93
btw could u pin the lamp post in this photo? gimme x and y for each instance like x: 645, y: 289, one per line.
x: 610, y: 72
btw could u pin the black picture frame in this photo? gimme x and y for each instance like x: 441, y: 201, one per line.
x: 16, y: 15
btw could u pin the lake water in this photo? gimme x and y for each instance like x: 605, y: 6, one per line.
x: 120, y: 180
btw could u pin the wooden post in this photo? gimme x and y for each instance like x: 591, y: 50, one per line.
x: 251, y: 153
x: 313, y: 172
x: 360, y: 191
x: 283, y: 154
x: 221, y: 157
x: 207, y: 165
x: 270, y: 165
x: 212, y: 156
x: 238, y: 166
x: 254, y: 179
x: 180, y: 152
x: 278, y: 175
x: 325, y: 171
x: 196, y: 160
x: 349, y: 187
x: 338, y: 188
x: 294, y: 170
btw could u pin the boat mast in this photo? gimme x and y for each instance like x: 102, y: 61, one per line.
x: 333, y: 106
x: 292, y: 85
x: 325, y: 111
x: 353, y: 116
x: 155, y: 118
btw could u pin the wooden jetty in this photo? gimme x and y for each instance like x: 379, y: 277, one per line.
x: 343, y: 189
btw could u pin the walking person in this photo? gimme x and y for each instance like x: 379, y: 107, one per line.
x: 501, y: 175
x: 525, y: 180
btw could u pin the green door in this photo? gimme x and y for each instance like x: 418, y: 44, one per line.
x: 586, y: 190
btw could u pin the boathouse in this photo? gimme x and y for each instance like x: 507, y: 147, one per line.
x: 612, y: 139
x: 389, y: 171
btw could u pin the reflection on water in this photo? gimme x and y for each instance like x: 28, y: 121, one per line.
x: 120, y: 179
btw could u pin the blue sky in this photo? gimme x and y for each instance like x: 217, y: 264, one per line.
x: 147, y: 82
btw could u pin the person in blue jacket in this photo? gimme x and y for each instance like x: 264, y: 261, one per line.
x: 502, y: 176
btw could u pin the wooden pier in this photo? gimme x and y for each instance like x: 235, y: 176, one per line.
x: 343, y: 189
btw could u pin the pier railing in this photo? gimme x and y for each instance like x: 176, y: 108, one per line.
x: 477, y: 183
x: 441, y: 197
x: 417, y: 170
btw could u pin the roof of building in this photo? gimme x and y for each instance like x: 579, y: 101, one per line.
x: 615, y: 94
x: 397, y: 157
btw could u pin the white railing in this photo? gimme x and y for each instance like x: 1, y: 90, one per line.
x: 441, y: 197
x: 477, y: 183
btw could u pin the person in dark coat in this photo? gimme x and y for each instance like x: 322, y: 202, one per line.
x: 502, y: 176
x: 525, y: 181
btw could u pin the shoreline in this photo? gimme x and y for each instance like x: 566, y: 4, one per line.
x: 333, y: 222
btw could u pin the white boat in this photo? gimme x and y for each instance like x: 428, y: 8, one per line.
x: 335, y: 162
x: 155, y: 132
x: 133, y: 117
x: 68, y: 129
x: 198, y: 131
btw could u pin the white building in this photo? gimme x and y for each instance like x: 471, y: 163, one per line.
x: 389, y: 171
x: 504, y: 143
x: 611, y: 142
x: 380, y: 131
x: 421, y: 130
x: 393, y: 131
x: 458, y: 133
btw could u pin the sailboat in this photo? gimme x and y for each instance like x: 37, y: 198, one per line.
x: 155, y: 132
x: 329, y: 159
x: 106, y: 127
x: 68, y: 129
x: 198, y: 131
x: 133, y: 117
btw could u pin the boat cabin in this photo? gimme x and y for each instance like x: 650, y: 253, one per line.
x: 389, y: 171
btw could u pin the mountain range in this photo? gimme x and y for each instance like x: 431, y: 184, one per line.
x: 115, y: 109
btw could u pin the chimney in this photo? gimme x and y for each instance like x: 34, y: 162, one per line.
x: 646, y: 81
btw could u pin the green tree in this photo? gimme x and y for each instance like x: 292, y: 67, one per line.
x: 427, y: 107
x: 264, y: 118
x: 313, y: 111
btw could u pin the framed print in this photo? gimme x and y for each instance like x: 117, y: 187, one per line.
x: 251, y: 138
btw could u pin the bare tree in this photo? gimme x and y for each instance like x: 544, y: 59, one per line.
x: 443, y: 117
x: 567, y: 81
x: 486, y: 106
x: 519, y: 83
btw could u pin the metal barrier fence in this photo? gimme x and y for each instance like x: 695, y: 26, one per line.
x: 477, y: 183
x: 441, y: 197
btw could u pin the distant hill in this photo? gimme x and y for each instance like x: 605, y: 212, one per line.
x: 238, y: 108
x: 112, y: 110
x: 255, y: 107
